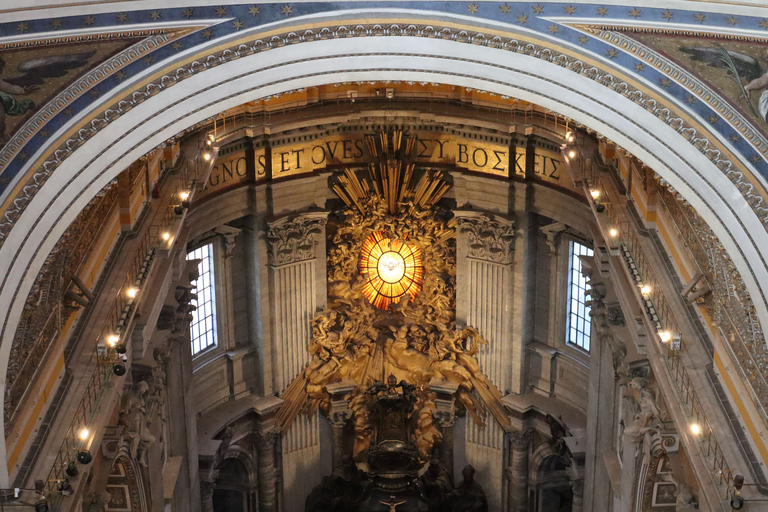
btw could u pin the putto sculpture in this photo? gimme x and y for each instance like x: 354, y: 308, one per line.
x: 405, y: 333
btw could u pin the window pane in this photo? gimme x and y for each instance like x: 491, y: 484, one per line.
x: 203, y: 328
x: 579, y: 322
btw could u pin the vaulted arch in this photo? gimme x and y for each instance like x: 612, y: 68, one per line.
x: 493, y: 57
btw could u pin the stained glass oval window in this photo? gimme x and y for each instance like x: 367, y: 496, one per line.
x: 391, y: 269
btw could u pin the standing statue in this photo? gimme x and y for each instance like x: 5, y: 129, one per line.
x: 133, y: 416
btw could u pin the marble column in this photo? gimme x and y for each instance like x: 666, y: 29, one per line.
x: 447, y: 422
x: 339, y: 422
x: 517, y: 471
x: 577, y: 486
x: 297, y: 280
x: 206, y: 496
x: 267, y: 472
x: 484, y: 292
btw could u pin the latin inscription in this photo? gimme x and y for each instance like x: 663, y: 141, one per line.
x: 304, y: 158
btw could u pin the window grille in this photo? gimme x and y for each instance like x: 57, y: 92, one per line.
x: 579, y: 322
x: 203, y: 328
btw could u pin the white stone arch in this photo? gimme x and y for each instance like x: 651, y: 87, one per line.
x: 97, y: 161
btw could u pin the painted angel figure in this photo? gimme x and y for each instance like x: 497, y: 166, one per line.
x: 743, y: 69
x: 31, y: 75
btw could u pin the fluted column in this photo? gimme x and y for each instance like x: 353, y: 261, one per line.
x: 517, y: 471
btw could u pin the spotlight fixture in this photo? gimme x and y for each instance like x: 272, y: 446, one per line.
x: 120, y: 348
x: 132, y: 292
x: 209, y: 142
x: 119, y: 369
x: 83, y: 435
x: 178, y: 209
x: 184, y: 195
x: 166, y: 236
x: 737, y: 502
x: 695, y: 429
x: 41, y: 506
x: 113, y: 339
x: 571, y: 153
x: 72, y: 470
x: 599, y: 207
x: 84, y: 457
x: 665, y: 336
x: 613, y: 232
x: 65, y: 488
x: 645, y: 289
x: 738, y: 482
x: 206, y: 156
x: 594, y: 193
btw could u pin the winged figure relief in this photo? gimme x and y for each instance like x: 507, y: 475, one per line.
x: 30, y: 76
x: 743, y: 69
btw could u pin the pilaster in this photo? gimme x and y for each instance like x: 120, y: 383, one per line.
x: 485, y: 258
x: 296, y: 265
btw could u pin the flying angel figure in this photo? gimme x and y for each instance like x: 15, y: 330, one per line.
x: 31, y: 75
x: 741, y: 68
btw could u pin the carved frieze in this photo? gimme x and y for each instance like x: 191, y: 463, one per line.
x: 293, y: 238
x: 489, y: 237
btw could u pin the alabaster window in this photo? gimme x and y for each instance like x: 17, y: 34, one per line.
x: 203, y: 328
x: 579, y: 326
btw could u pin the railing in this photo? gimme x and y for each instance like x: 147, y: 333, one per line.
x: 708, y: 446
x: 34, y: 360
x: 658, y: 309
x: 116, y: 319
x: 227, y: 125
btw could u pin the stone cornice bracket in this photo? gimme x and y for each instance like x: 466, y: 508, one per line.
x: 228, y: 233
x: 491, y: 237
x: 293, y: 238
x: 552, y: 231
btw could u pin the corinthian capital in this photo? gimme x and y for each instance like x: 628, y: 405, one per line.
x: 490, y: 236
x: 294, y: 238
x: 520, y: 439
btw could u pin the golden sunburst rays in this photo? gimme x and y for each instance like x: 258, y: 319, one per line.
x: 391, y: 176
x: 392, y: 268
